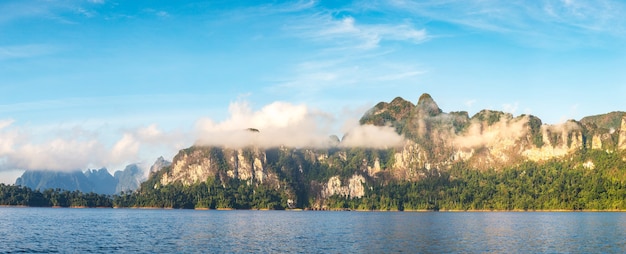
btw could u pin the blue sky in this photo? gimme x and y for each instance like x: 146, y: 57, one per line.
x: 114, y: 82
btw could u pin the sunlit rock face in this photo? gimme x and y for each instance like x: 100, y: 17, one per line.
x: 352, y: 189
x: 159, y: 164
x: 426, y: 140
x: 489, y: 139
x: 197, y: 164
x: 622, y: 135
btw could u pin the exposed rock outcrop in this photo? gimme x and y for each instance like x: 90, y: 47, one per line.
x: 434, y: 141
x: 128, y: 179
x: 159, y: 164
x: 197, y: 164
x: 622, y: 135
x: 353, y: 189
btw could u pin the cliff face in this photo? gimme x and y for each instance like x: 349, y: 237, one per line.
x: 489, y: 139
x: 622, y: 135
x: 128, y: 179
x: 197, y: 164
x: 434, y: 141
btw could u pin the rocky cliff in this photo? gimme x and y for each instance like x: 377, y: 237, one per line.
x: 98, y: 181
x: 128, y: 179
x: 434, y: 141
x: 489, y: 139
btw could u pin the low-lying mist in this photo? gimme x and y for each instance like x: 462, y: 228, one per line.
x: 25, y: 147
x: 285, y: 124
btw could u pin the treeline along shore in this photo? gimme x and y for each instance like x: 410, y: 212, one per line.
x: 550, y: 186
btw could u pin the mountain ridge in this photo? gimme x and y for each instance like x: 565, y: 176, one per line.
x: 435, y: 142
x: 98, y: 181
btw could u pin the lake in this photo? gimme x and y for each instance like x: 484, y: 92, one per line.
x: 138, y: 230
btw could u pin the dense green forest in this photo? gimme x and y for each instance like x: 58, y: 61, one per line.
x: 553, y: 185
x: 23, y: 196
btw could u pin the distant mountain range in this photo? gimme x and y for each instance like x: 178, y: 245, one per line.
x: 98, y: 181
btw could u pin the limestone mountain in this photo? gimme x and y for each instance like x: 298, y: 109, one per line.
x: 159, y: 164
x: 490, y: 139
x: 43, y: 179
x: 98, y: 181
x: 101, y: 181
x: 435, y: 141
x: 128, y: 179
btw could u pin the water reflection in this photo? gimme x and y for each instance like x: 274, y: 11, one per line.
x: 174, y: 231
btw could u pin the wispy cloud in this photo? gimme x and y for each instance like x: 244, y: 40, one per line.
x: 341, y: 74
x: 346, y: 33
x: 62, y: 12
x: 548, y: 23
x: 25, y: 51
x: 401, y: 75
x: 5, y: 123
x: 470, y: 103
x: 510, y: 107
x: 158, y: 13
x: 287, y: 7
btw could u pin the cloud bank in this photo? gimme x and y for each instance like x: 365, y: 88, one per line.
x: 22, y: 148
x: 479, y: 134
x: 285, y: 124
x: 274, y: 125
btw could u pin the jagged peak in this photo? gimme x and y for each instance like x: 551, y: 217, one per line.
x: 425, y: 98
x: 428, y: 105
x: 610, y: 120
x: 491, y: 116
x: 96, y: 171
x: 399, y: 101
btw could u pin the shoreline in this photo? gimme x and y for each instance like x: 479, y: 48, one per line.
x: 328, y: 210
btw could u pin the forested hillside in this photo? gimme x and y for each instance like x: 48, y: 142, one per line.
x: 444, y: 161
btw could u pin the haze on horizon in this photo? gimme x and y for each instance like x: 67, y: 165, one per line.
x: 100, y: 83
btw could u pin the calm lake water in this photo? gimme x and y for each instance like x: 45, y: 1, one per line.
x: 135, y: 230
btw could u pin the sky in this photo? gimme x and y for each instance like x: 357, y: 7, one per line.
x: 103, y: 83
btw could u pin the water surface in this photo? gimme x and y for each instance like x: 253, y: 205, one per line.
x: 149, y: 231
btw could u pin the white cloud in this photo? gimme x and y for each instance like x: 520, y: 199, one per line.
x: 370, y: 136
x: 285, y: 124
x: 279, y: 123
x: 5, y: 123
x: 125, y: 149
x: 347, y: 33
x: 7, y: 137
x: 470, y: 103
x: 538, y: 23
x: 56, y: 154
x: 400, y: 76
x: 158, y: 13
x: 503, y: 132
x: 510, y: 108
x: 8, y: 177
x: 344, y: 74
x: 25, y: 51
x: 74, y: 148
